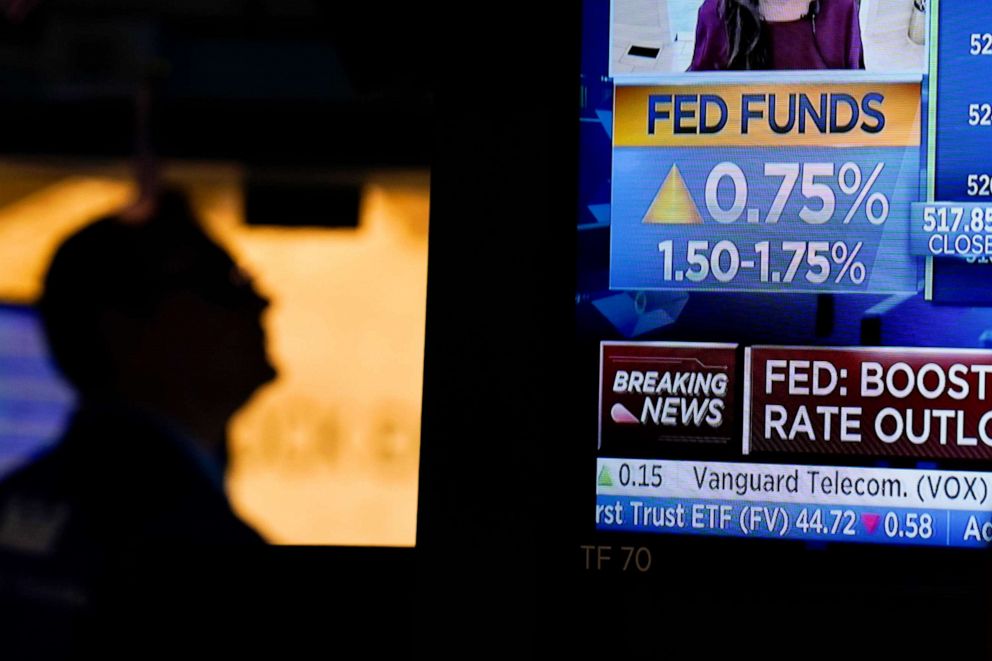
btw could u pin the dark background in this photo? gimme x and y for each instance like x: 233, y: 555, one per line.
x: 261, y: 81
x: 488, y: 97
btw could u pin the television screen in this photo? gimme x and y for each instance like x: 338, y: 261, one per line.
x: 35, y: 402
x: 784, y: 236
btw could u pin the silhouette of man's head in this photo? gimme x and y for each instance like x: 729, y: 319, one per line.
x: 157, y: 315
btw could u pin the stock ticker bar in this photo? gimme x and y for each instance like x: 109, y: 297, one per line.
x: 813, y: 503
x: 772, y: 187
x: 852, y: 404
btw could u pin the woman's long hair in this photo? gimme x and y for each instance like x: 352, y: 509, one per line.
x: 748, y: 44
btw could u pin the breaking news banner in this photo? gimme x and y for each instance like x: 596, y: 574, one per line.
x: 814, y: 503
x: 655, y: 394
x: 766, y: 187
x: 884, y: 402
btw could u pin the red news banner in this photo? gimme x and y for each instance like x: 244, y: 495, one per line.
x: 923, y: 403
x: 662, y: 393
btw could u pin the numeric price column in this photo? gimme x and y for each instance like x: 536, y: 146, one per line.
x: 963, y: 146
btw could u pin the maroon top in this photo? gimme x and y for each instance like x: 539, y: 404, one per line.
x: 830, y: 41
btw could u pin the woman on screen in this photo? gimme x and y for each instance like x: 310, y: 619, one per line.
x: 739, y: 35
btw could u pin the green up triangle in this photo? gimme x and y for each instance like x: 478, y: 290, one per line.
x: 604, y: 478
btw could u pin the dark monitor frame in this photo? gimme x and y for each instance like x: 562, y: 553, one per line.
x: 506, y: 494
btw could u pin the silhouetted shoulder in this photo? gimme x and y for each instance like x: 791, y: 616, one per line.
x: 111, y: 522
x: 37, y: 507
x: 114, y: 480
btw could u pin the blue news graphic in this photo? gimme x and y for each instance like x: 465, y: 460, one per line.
x: 963, y: 137
x: 789, y: 219
x: 964, y: 113
x: 799, y: 521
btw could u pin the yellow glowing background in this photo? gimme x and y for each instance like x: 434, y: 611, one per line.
x: 328, y: 453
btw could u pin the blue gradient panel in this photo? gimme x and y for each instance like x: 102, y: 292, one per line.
x: 867, y: 254
x: 964, y: 136
x: 963, y: 148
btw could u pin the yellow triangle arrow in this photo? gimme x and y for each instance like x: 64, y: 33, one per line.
x: 673, y: 204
